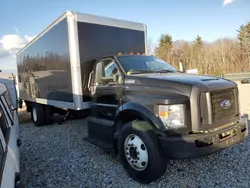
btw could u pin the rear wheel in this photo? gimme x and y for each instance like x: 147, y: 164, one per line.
x: 38, y: 114
x: 48, y: 114
x: 140, y: 153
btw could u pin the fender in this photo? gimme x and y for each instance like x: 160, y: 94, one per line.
x: 144, y: 112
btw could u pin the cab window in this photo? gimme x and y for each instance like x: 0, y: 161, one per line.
x: 8, y: 101
x: 8, y: 105
x: 3, y: 124
x: 5, y: 109
x: 110, y: 69
x: 1, y: 152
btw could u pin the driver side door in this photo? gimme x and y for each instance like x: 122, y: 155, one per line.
x: 106, y: 88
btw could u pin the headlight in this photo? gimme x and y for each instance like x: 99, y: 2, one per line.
x: 173, y: 116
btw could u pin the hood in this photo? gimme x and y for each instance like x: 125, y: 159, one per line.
x: 201, y: 81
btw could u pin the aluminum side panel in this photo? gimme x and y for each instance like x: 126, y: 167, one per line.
x: 60, y: 104
x: 100, y: 20
x: 75, y: 62
x: 44, y: 69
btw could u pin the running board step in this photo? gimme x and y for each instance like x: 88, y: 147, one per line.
x: 101, y: 129
x: 104, y: 145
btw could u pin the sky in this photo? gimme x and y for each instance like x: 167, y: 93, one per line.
x: 21, y: 20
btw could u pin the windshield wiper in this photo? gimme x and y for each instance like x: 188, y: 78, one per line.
x: 165, y: 71
x: 138, y: 71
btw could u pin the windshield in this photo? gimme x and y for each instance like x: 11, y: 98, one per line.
x: 139, y: 64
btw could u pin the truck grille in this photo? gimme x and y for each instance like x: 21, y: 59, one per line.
x: 218, y: 112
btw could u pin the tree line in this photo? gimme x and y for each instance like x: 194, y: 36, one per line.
x: 222, y: 56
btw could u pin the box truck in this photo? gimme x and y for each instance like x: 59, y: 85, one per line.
x: 137, y: 105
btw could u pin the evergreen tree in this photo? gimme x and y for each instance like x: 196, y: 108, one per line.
x: 165, y: 39
x: 198, y: 43
x: 164, y: 48
x: 244, y: 42
x: 197, y: 53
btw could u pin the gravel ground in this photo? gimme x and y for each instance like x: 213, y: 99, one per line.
x: 56, y: 156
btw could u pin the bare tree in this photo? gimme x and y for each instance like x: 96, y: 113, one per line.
x: 222, y: 56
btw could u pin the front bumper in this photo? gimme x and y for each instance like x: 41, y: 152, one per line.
x: 198, y: 145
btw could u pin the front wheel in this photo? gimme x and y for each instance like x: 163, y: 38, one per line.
x: 140, y: 153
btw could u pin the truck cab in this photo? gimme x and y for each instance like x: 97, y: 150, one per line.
x: 147, y: 111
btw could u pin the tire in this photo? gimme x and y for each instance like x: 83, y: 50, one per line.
x: 149, y: 163
x: 38, y: 114
x: 48, y: 114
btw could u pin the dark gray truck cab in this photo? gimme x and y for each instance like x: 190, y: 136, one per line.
x: 189, y: 115
x: 137, y: 105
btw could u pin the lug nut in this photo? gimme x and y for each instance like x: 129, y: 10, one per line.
x: 129, y: 158
x: 135, y: 161
x: 138, y: 158
x: 128, y: 145
x: 127, y: 153
x: 132, y: 145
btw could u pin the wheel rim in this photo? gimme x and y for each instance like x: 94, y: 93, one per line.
x: 34, y: 114
x: 136, y: 152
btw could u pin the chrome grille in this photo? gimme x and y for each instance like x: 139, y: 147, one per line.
x: 218, y: 112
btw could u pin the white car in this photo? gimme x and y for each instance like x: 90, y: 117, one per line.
x: 9, y: 141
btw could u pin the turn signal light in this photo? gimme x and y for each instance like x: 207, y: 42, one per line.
x: 164, y: 114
